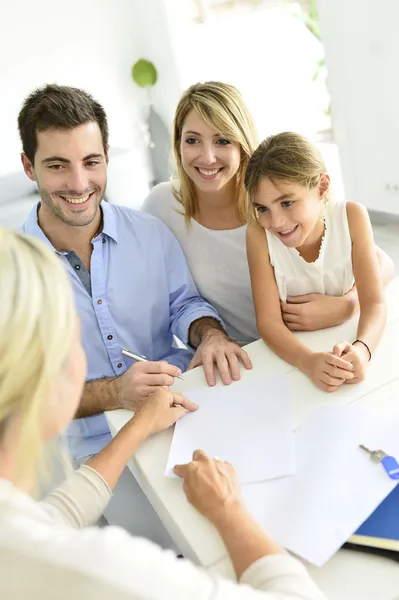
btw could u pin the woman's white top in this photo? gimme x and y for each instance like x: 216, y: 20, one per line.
x: 217, y: 260
x: 331, y: 274
x: 44, y: 555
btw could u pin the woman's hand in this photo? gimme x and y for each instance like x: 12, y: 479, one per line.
x: 327, y: 370
x: 357, y: 355
x: 161, y: 410
x: 210, y: 485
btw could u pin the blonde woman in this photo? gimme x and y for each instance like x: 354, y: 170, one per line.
x: 206, y: 206
x: 305, y: 242
x: 44, y: 552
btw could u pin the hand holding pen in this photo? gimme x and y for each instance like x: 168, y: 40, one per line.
x: 140, y: 358
x: 143, y: 378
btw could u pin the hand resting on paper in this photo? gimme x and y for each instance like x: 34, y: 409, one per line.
x: 161, y: 410
x: 216, y: 349
x: 210, y: 485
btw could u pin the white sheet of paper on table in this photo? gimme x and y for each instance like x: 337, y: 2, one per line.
x: 248, y: 423
x: 336, y: 486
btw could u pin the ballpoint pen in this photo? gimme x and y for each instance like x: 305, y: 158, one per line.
x: 140, y: 358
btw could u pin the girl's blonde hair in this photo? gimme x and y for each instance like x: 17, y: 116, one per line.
x: 221, y: 107
x: 37, y: 320
x: 285, y: 156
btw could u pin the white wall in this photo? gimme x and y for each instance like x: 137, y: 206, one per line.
x: 267, y: 53
x: 84, y: 43
x: 153, y: 38
x: 362, y: 52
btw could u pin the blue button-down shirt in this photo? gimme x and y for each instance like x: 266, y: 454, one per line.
x: 142, y: 294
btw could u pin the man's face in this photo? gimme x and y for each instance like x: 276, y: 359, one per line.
x: 70, y: 169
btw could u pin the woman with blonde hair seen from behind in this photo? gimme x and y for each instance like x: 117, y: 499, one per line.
x: 304, y: 242
x: 44, y: 553
x: 206, y: 206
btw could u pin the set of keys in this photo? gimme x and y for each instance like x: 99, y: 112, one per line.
x: 389, y: 463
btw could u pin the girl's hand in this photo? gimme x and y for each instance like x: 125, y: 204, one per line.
x: 357, y: 355
x: 328, y: 371
x: 311, y: 312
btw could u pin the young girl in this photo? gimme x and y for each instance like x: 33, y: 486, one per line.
x: 303, y: 242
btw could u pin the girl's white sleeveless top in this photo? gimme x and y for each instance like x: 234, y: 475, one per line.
x: 330, y: 274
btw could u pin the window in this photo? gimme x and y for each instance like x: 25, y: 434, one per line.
x: 203, y: 10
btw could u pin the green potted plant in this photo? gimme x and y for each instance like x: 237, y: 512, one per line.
x: 144, y: 74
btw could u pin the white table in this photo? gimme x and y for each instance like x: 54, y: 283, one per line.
x: 349, y: 575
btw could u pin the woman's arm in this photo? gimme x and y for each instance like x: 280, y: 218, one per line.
x: 116, y: 560
x: 321, y: 367
x: 82, y: 498
x: 113, y: 560
x: 212, y: 487
x: 160, y: 411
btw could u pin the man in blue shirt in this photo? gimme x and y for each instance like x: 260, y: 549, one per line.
x: 131, y: 282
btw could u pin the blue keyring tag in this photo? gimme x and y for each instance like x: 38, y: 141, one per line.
x: 391, y: 466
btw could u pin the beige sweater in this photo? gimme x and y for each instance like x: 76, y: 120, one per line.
x: 45, y: 555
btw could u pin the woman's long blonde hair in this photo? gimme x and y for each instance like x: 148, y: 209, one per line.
x: 37, y: 320
x: 221, y: 107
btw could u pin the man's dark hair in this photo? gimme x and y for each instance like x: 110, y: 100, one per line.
x: 58, y: 107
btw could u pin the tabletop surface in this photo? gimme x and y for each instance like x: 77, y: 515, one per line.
x: 349, y: 575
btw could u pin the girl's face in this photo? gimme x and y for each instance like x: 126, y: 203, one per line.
x: 210, y: 159
x: 290, y: 211
x: 68, y: 388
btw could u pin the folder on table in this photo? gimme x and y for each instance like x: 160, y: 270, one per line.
x: 380, y: 533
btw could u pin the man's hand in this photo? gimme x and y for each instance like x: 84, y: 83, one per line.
x: 357, y: 355
x: 216, y: 347
x: 316, y: 311
x: 142, y: 379
x: 328, y: 371
x: 161, y: 410
x: 210, y: 485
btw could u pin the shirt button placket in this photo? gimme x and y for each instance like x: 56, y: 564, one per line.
x: 100, y: 302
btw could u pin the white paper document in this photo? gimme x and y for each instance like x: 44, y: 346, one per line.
x: 336, y: 486
x: 248, y: 423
